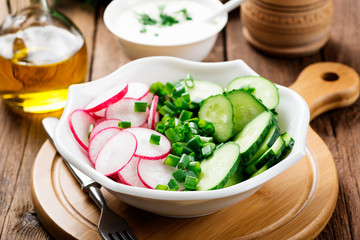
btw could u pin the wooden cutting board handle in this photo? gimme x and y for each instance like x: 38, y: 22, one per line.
x: 326, y: 86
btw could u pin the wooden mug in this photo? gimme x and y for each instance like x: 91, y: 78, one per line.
x: 292, y: 28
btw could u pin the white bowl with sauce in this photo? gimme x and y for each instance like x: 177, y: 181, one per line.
x: 189, y: 39
x: 293, y: 117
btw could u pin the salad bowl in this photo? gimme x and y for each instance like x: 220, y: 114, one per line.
x: 293, y: 117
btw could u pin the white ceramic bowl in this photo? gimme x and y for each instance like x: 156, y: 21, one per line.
x: 196, y: 49
x: 293, y: 117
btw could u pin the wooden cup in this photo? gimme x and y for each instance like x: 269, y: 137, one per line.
x: 293, y: 28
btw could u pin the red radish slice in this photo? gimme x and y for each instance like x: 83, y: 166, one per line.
x: 100, y: 113
x: 99, y: 140
x: 124, y: 111
x: 154, y: 172
x: 137, y: 90
x: 79, y: 123
x: 145, y: 125
x: 111, y: 96
x: 152, y: 114
x: 128, y: 175
x: 116, y: 153
x: 148, y: 98
x: 102, y: 125
x: 147, y: 150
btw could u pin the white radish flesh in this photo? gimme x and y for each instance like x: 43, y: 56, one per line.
x: 111, y: 96
x: 102, y: 125
x: 99, y: 140
x: 154, y: 172
x: 79, y: 123
x: 124, y: 111
x: 128, y: 175
x: 147, y: 150
x: 116, y: 153
x: 137, y: 90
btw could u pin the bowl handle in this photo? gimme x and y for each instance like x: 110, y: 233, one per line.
x: 326, y: 86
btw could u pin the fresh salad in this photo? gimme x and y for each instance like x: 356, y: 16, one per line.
x: 190, y: 135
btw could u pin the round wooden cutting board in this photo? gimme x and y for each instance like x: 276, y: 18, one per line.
x: 297, y: 204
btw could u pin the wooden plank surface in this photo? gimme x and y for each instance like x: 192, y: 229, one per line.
x: 22, y: 137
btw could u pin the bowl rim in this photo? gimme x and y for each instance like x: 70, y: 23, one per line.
x: 242, y: 187
x: 113, y: 4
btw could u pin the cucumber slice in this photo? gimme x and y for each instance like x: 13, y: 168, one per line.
x: 273, y: 134
x: 289, y: 143
x: 218, y: 110
x: 220, y: 167
x: 246, y: 107
x: 268, y: 158
x: 265, y: 90
x: 203, y: 89
x: 238, y: 177
x: 253, y: 134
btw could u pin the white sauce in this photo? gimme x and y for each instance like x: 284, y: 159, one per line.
x: 186, y: 31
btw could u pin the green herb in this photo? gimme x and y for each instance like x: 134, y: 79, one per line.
x: 140, y: 106
x: 155, y: 139
x: 124, y: 124
x: 186, y: 14
x: 145, y: 19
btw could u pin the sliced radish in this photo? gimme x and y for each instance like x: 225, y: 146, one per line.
x: 116, y: 153
x: 147, y: 150
x: 99, y: 140
x: 148, y: 98
x: 145, y: 125
x: 128, y: 175
x: 137, y: 90
x: 154, y: 172
x: 79, y: 123
x: 124, y: 111
x: 111, y: 96
x: 102, y: 125
x: 152, y: 113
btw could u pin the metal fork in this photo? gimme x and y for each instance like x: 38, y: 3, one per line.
x: 110, y: 226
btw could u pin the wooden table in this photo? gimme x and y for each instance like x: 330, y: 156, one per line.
x: 22, y: 137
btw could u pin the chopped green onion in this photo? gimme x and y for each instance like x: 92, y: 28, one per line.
x: 172, y: 160
x: 173, y: 185
x: 179, y: 90
x: 195, y: 167
x: 190, y: 173
x: 160, y: 127
x: 191, y: 182
x: 179, y: 175
x: 168, y: 121
x: 186, y: 97
x: 166, y: 110
x: 124, y: 124
x: 171, y: 106
x: 185, y: 115
x: 91, y: 127
x: 140, y: 106
x: 169, y: 88
x: 189, y: 81
x: 171, y: 135
x: 208, y: 149
x: 195, y: 143
x: 162, y: 187
x: 155, y: 139
x: 184, y: 162
x: 158, y: 89
x: 176, y: 149
x: 181, y: 104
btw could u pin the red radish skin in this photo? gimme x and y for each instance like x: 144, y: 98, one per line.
x: 137, y: 90
x: 99, y: 140
x: 116, y: 153
x: 79, y: 123
x: 148, y: 98
x: 152, y: 114
x: 124, y: 111
x: 102, y: 125
x: 111, y: 96
x: 128, y: 175
x: 147, y: 150
x: 154, y: 172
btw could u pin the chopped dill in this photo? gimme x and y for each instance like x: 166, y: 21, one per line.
x: 163, y: 19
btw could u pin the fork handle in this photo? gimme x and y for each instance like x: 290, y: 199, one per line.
x: 97, y: 196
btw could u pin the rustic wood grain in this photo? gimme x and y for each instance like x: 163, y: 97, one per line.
x: 22, y: 137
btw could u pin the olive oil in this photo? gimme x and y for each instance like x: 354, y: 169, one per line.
x: 38, y: 64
